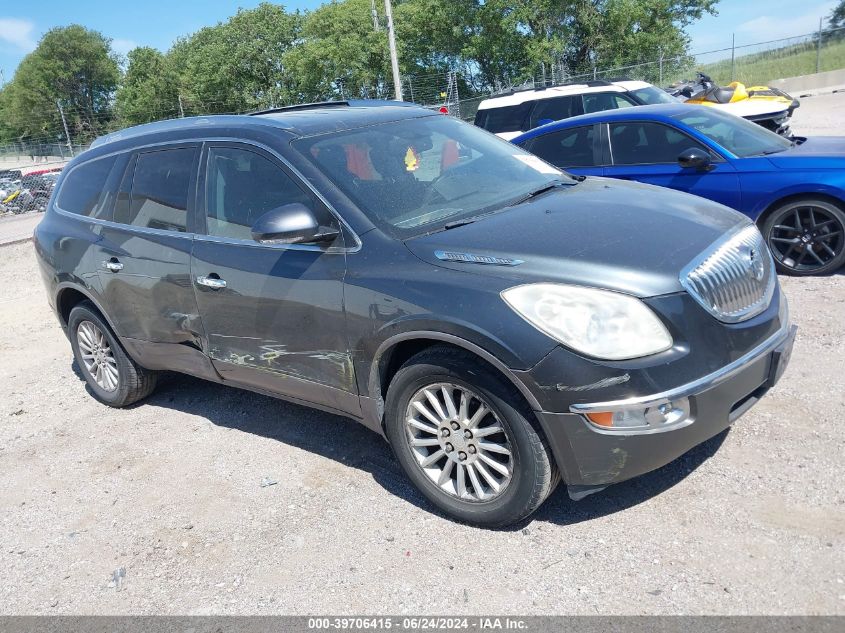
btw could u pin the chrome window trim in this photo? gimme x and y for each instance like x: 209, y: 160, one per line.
x: 695, y: 387
x: 118, y: 225
x: 332, y: 250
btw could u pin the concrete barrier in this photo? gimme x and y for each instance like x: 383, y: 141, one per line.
x: 792, y: 85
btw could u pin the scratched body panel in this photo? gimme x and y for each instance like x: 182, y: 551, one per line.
x: 281, y: 315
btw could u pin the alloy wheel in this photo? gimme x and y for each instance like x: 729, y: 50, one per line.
x: 97, y: 356
x: 806, y: 237
x: 459, y: 442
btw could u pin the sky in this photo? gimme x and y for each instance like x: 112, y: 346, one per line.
x: 158, y: 23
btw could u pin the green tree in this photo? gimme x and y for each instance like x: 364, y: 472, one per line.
x: 237, y: 65
x: 585, y: 34
x: 472, y: 36
x: 341, y: 54
x: 73, y: 65
x: 149, y: 88
x: 836, y: 19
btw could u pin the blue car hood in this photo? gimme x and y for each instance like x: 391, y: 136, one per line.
x: 818, y: 152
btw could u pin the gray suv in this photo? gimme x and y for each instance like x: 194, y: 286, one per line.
x: 504, y: 325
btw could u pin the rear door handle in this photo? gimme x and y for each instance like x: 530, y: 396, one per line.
x: 215, y: 283
x: 112, y: 264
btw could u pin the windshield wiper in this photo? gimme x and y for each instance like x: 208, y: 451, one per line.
x: 544, y: 189
x: 456, y: 223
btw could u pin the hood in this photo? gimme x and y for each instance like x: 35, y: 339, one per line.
x: 602, y: 233
x: 817, y: 152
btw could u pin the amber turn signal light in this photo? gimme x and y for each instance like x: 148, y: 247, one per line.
x: 602, y: 418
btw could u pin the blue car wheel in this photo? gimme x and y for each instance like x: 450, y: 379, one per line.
x: 806, y: 237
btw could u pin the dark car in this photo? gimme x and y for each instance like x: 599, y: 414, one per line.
x: 793, y: 188
x: 504, y: 325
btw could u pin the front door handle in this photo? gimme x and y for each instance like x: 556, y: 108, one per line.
x: 112, y: 264
x: 215, y: 283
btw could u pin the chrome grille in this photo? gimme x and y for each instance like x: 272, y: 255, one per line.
x: 734, y: 280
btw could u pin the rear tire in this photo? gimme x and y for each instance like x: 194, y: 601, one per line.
x: 506, y: 464
x: 806, y: 237
x: 113, y: 377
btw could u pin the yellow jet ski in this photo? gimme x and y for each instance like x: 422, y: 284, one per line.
x: 767, y: 106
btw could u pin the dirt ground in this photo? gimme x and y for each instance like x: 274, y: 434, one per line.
x: 170, y: 491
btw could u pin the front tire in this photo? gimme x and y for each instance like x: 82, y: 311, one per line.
x: 113, y: 377
x: 466, y: 439
x: 806, y: 237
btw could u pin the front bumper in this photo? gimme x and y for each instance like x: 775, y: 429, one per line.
x: 591, y: 458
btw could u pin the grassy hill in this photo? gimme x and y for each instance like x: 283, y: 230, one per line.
x: 790, y: 61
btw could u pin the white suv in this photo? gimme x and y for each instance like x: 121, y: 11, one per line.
x: 510, y: 114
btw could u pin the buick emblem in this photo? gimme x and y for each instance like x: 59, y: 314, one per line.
x: 756, y: 268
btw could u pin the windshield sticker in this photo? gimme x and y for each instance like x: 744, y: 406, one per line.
x: 537, y: 164
x: 412, y: 160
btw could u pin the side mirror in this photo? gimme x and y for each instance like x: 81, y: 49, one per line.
x: 695, y: 158
x: 291, y: 224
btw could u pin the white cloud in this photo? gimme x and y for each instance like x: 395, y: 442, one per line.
x: 767, y: 27
x: 18, y: 33
x: 122, y: 46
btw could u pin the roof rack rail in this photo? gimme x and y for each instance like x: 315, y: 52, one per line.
x: 350, y: 103
x: 592, y: 83
x: 301, y: 106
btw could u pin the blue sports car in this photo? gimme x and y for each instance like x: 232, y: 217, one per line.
x: 793, y: 188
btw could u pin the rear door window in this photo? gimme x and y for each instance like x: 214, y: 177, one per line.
x: 511, y: 118
x: 601, y: 101
x: 573, y: 147
x: 160, y: 190
x: 555, y: 109
x: 85, y: 190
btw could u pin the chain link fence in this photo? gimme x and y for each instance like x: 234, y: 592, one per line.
x: 753, y: 64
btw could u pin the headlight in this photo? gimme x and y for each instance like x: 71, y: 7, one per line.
x: 598, y: 323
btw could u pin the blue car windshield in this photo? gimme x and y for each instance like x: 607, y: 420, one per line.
x: 420, y: 175
x: 740, y: 137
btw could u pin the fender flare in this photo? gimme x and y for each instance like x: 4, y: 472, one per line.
x: 763, y: 208
x: 83, y: 290
x: 374, y: 381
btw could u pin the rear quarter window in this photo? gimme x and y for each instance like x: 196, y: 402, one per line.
x: 84, y: 190
x: 511, y: 118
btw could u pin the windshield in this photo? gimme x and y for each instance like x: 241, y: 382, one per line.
x: 651, y: 96
x: 418, y: 176
x: 740, y: 137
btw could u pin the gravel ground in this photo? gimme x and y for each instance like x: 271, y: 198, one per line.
x: 820, y: 115
x: 170, y: 490
x: 751, y: 522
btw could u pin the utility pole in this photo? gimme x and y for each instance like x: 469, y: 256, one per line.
x: 64, y: 123
x: 394, y: 60
x: 733, y: 56
x: 819, y: 48
x: 376, y: 25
